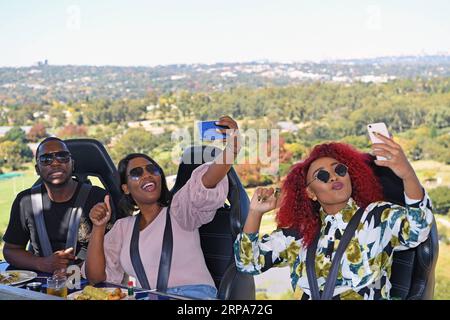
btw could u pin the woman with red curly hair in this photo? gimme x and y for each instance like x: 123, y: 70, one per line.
x: 321, y: 196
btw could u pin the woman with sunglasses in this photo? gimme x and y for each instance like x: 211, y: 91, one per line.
x: 112, y: 256
x: 321, y: 196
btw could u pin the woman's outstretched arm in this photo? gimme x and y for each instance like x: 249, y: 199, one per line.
x: 222, y: 164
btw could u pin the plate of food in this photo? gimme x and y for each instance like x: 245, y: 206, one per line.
x: 92, y: 293
x: 15, y: 277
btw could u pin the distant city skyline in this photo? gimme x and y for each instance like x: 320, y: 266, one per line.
x: 149, y: 33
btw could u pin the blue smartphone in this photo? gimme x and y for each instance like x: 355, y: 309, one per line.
x: 207, y: 130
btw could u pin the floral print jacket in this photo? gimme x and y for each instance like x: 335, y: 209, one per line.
x: 365, y: 267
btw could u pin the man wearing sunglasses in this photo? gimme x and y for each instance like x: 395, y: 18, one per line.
x: 52, y: 216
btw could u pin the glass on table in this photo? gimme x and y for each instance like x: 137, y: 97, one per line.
x: 57, y: 285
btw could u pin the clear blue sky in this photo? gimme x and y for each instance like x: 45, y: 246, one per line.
x: 153, y: 32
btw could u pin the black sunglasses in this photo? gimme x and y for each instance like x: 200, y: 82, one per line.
x: 324, y: 176
x: 47, y: 159
x: 136, y: 173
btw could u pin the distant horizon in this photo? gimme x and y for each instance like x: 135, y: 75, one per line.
x: 329, y: 60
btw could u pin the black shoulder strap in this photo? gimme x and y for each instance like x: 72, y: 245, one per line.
x: 311, y: 267
x: 166, y: 255
x: 332, y: 275
x: 136, y: 257
x: 164, y: 262
x: 38, y: 216
x: 75, y: 216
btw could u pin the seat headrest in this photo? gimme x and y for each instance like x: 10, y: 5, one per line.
x: 92, y: 159
x: 195, y: 156
x: 192, y: 158
x: 392, y: 185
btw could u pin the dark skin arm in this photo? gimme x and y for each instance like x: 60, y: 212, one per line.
x: 222, y: 164
x: 96, y: 261
x: 399, y: 164
x: 19, y: 257
x: 263, y: 201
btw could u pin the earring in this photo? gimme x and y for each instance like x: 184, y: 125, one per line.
x: 315, y: 198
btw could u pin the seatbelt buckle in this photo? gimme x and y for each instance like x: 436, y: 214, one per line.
x: 82, y: 254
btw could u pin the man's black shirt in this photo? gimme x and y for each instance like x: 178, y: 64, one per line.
x: 22, y: 227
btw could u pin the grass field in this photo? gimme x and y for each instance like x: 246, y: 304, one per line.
x: 442, y: 288
x: 9, y: 189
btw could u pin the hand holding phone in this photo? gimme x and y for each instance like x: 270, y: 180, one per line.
x: 209, y: 131
x: 379, y: 127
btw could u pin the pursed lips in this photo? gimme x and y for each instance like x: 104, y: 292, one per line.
x: 337, y: 186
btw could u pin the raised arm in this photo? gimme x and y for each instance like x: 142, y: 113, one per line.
x: 263, y: 201
x: 396, y: 160
x: 409, y: 225
x: 95, y: 261
x: 222, y: 164
x: 254, y: 255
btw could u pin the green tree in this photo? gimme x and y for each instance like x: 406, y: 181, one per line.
x: 14, y: 154
x: 135, y: 140
x: 441, y: 199
x: 15, y: 134
x: 57, y: 114
x: 21, y: 115
x: 439, y: 117
x: 104, y: 134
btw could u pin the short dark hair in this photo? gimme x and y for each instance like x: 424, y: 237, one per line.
x: 127, y: 203
x: 48, y: 139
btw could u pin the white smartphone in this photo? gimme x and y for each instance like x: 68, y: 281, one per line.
x: 379, y: 127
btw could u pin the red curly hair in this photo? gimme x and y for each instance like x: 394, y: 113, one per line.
x: 299, y: 212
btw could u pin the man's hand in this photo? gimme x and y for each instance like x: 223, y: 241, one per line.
x: 58, y: 260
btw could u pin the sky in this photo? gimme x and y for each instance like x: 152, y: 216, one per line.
x: 149, y: 33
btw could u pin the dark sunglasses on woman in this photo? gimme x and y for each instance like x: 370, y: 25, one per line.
x: 324, y: 176
x: 47, y: 159
x: 136, y: 173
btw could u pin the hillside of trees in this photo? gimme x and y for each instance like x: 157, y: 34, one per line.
x: 417, y: 113
x: 416, y: 110
x: 43, y: 84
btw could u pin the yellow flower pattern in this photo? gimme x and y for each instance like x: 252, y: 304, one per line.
x: 351, y: 295
x: 323, y: 266
x: 246, y: 250
x: 353, y: 252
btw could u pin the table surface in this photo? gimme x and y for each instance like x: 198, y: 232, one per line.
x: 20, y: 292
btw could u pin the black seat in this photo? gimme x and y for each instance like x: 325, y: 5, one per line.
x: 92, y: 159
x: 217, y: 237
x: 412, y: 274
